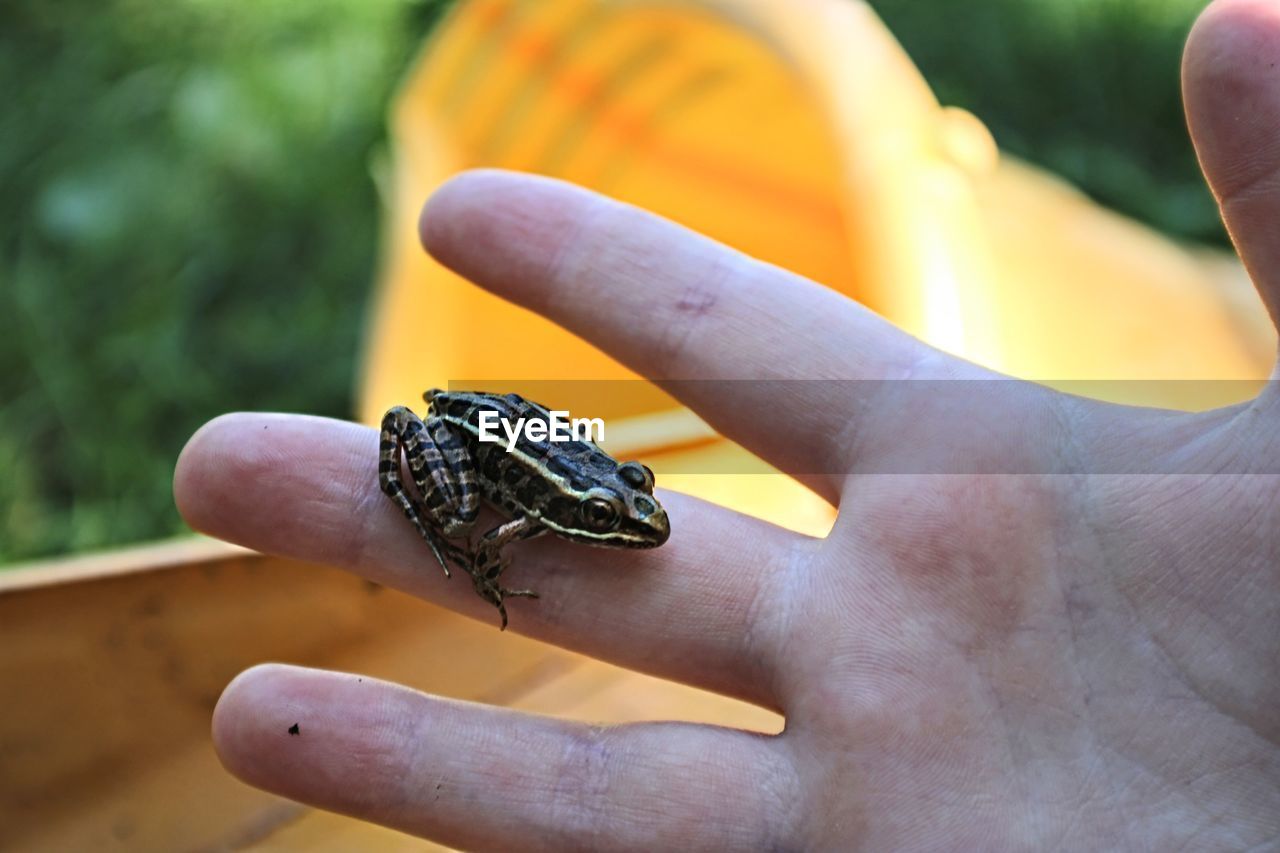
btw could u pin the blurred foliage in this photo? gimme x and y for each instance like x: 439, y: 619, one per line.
x: 1088, y: 88
x: 190, y: 219
x: 190, y: 228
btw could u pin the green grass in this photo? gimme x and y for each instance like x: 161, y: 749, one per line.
x: 190, y: 227
x: 190, y: 223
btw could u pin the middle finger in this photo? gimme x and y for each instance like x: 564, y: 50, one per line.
x: 679, y: 308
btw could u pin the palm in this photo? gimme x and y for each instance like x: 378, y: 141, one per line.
x: 1038, y: 620
x: 1012, y: 658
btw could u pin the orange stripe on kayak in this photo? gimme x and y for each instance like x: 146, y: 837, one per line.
x: 629, y: 126
x: 534, y: 48
x: 581, y: 87
x: 819, y: 208
x: 490, y: 14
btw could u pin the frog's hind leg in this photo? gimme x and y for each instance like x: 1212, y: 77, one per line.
x: 445, y: 476
x: 403, y: 431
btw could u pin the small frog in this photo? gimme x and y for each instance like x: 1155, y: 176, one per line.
x: 570, y: 488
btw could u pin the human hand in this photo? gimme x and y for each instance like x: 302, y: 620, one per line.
x: 1048, y: 657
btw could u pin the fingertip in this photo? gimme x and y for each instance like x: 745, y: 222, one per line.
x: 235, y: 725
x: 498, y: 228
x: 309, y: 734
x: 459, y: 211
x: 196, y: 462
x: 217, y: 463
x: 1236, y: 19
x: 1230, y: 72
x: 446, y: 210
x: 1232, y: 41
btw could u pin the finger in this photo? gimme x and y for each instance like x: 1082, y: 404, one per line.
x: 701, y: 609
x: 1231, y: 85
x: 477, y: 777
x: 676, y: 307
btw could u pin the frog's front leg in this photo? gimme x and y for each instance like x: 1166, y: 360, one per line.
x: 489, y: 563
x: 488, y: 560
x: 448, y: 499
x: 492, y: 592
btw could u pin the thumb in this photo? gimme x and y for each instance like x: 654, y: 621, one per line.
x: 1231, y: 87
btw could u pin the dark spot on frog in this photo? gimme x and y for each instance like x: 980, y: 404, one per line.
x: 538, y: 449
x: 530, y: 491
x: 492, y: 468
x: 560, y: 466
x: 449, y: 441
x: 295, y: 729
x: 560, y: 508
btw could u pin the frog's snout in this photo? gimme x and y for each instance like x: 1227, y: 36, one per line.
x: 659, y: 528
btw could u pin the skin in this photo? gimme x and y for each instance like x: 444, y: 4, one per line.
x: 992, y: 662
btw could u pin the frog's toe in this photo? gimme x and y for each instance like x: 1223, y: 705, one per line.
x: 489, y: 569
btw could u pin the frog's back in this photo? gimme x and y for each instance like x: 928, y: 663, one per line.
x: 571, y: 487
x: 536, y: 477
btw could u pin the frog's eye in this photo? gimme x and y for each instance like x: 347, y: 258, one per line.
x: 636, y: 476
x: 599, y: 513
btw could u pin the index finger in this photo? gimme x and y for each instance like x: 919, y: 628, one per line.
x: 699, y: 610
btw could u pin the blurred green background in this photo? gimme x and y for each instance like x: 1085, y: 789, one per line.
x: 191, y: 219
